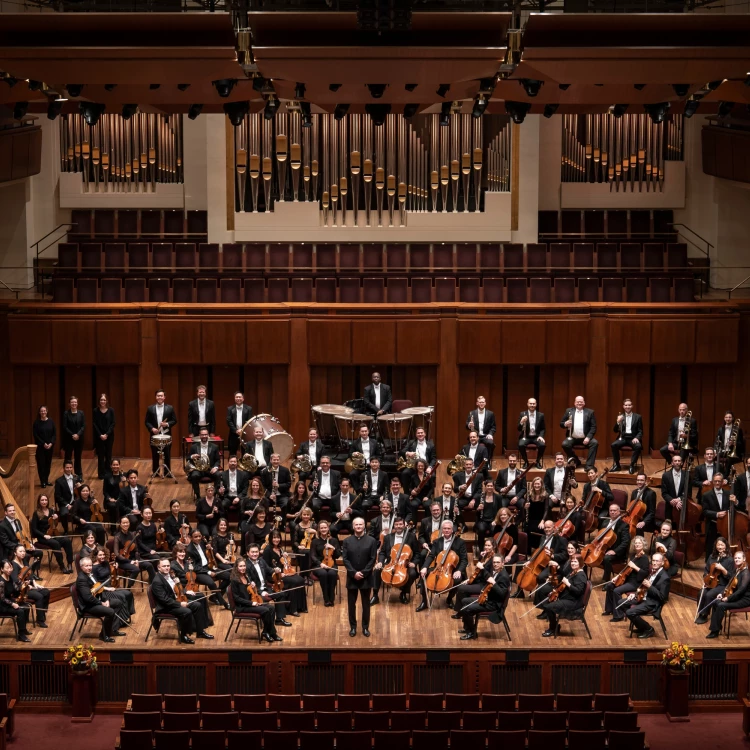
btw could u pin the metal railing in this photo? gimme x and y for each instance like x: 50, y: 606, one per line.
x: 709, y: 246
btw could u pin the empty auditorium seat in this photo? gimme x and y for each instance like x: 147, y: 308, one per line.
x: 135, y: 290
x: 421, y: 290
x: 158, y: 290
x: 353, y: 701
x: 636, y: 290
x: 334, y: 721
x: 231, y: 290
x: 231, y: 257
x: 87, y: 291
x: 513, y: 257
x: 349, y: 290
x: 506, y: 740
x: 574, y: 701
x: 278, y: 257
x: 677, y: 257
x: 325, y: 290
x: 445, y: 720
x: 492, y: 290
x: 540, y: 290
x: 215, y: 703
x: 466, y: 257
x: 489, y: 258
x: 462, y: 701
x: 588, y: 289
x: 111, y: 291
x: 445, y: 289
x: 442, y: 257
x: 395, y: 257
x: 137, y: 256
x: 498, y: 702
x: 389, y: 701
x: 536, y: 256
x: 397, y: 290
x: 660, y: 289
x: 302, y: 257
x: 468, y: 290
x: 67, y: 256
x: 612, y: 702
x: 114, y: 256
x: 683, y: 289
x: 184, y: 256
x: 630, y: 256
x: 653, y: 256
x: 325, y: 258
x: 517, y: 290
x: 182, y: 291
x: 314, y: 741
x: 612, y: 290
x: 255, y: 257
x: 284, y: 702
x: 255, y: 291
x: 302, y: 290
x: 206, y: 291
x: 565, y: 290
x: 559, y: 256
x: 606, y: 257
x: 583, y: 256
x: 319, y: 702
x: 373, y: 290
x: 162, y: 257
x: 251, y: 702
x: 419, y: 257
x: 90, y: 256
x: 349, y: 257
x: 208, y: 256
x: 430, y: 739
x: 278, y: 290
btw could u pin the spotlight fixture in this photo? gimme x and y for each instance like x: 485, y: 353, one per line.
x: 618, y: 110
x: 19, y: 110
x: 480, y: 104
x: 154, y: 86
x: 54, y: 108
x: 334, y: 86
x: 378, y: 113
x: 110, y: 86
x: 445, y: 114
x: 550, y: 109
x: 91, y: 112
x: 377, y: 89
x: 691, y: 107
x: 443, y: 89
x: 639, y: 86
x: 725, y: 108
x: 563, y: 86
x: 272, y: 106
x: 713, y: 85
x: 74, y: 89
x: 657, y: 112
x: 236, y: 112
x: 531, y: 86
x: 410, y: 86
x: 128, y: 110
x: 340, y: 111
x: 259, y: 83
x: 299, y: 91
x: 183, y: 86
x: 306, y: 114
x: 681, y: 89
x: 35, y: 85
x: 410, y: 110
x: 224, y: 86
x: 517, y: 110
x: 194, y: 111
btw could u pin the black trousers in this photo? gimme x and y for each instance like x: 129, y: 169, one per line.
x: 21, y: 615
x: 609, y: 561
x: 413, y: 574
x: 635, y: 613
x: 320, y: 502
x: 57, y: 546
x: 74, y: 450
x: 626, y: 442
x: 351, y: 596
x: 664, y: 450
x: 267, y: 616
x: 471, y: 610
x: 466, y: 592
x: 613, y: 598
x: 215, y: 585
x: 132, y: 568
x: 297, y: 599
x: 569, y: 443
x: 155, y: 457
x: 707, y: 600
x: 40, y: 597
x: 103, y: 450
x: 106, y: 613
x: 327, y: 578
x: 540, y: 447
x: 482, y: 530
x: 717, y: 616
x: 490, y: 446
x: 43, y: 463
x: 194, y: 477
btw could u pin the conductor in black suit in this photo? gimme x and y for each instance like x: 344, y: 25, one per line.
x: 201, y: 413
x: 160, y: 419
x: 378, y: 397
x: 482, y: 421
x: 93, y: 605
x: 209, y: 452
x: 629, y: 427
x: 359, y: 552
x: 581, y: 426
x: 677, y: 435
x: 237, y: 414
x: 531, y: 429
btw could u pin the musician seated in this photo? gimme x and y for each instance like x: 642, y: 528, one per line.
x: 259, y: 447
x: 261, y: 574
x: 192, y: 616
x: 482, y: 421
x: 419, y: 448
x: 81, y: 513
x: 561, y: 569
x: 496, y: 581
x: 703, y: 474
x: 581, y: 426
x: 718, y: 572
x: 277, y: 481
x: 208, y: 512
x: 114, y: 481
x: 421, y: 485
x: 629, y: 427
x: 382, y: 524
x: 511, y: 496
x: 11, y: 532
x: 447, y: 502
x: 556, y: 545
x: 673, y: 487
x: 121, y: 600
x: 206, y: 455
x: 298, y: 500
x: 502, y: 526
x: 428, y: 532
x: 325, y: 484
x: 656, y: 588
x: 715, y: 504
x: 448, y: 541
x: 342, y: 510
x: 127, y: 555
x: 9, y: 607
x: 393, y: 540
x: 738, y: 599
x: 303, y: 534
x: 644, y: 493
x: 255, y: 501
x: 634, y: 573
x: 569, y: 601
x: 572, y: 510
x: 326, y: 575
x: 65, y: 493
x: 243, y: 603
x: 313, y: 449
x: 145, y: 539
x: 678, y: 438
x: 257, y: 529
x: 205, y: 575
x: 477, y: 453
x: 403, y: 505
x: 41, y: 521
x: 467, y: 485
x: 176, y: 524
x: 664, y: 543
x: 618, y: 552
x: 730, y: 441
x: 741, y: 487
x: 377, y: 397
x: 93, y: 604
x: 373, y: 484
x: 488, y: 505
x: 597, y: 485
x: 36, y: 593
x: 233, y: 484
x: 133, y: 497
x: 201, y: 413
x: 554, y: 480
x: 368, y: 447
x: 292, y: 583
x: 531, y: 429
x: 223, y: 545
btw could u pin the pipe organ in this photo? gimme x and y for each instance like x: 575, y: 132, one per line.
x: 361, y: 174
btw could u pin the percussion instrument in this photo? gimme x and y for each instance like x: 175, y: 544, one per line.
x: 325, y: 423
x: 395, y: 430
x: 282, y: 441
x: 421, y: 417
x: 347, y: 426
x: 160, y: 441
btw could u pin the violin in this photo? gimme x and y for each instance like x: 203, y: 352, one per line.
x: 732, y: 585
x: 53, y: 525
x: 255, y: 597
x: 634, y: 514
x: 554, y: 595
x: 328, y: 551
x: 535, y: 565
x: 24, y: 539
x: 286, y: 564
x: 98, y: 588
x: 564, y: 526
x: 484, y: 593
x: 113, y: 572
x: 593, y: 553
x: 396, y: 571
x: 503, y: 541
x: 161, y: 538
x: 711, y: 579
x: 96, y: 511
x: 24, y: 579
x: 593, y: 503
x: 210, y: 556
x: 185, y: 533
x: 440, y: 577
x: 659, y: 547
x: 277, y: 581
x: 307, y: 539
x: 179, y: 592
x: 147, y: 501
x: 486, y: 555
x: 128, y: 548
x: 624, y: 574
x: 191, y: 579
x: 231, y: 555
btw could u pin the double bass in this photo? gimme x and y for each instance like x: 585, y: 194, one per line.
x: 396, y: 571
x: 440, y: 576
x: 693, y: 542
x: 735, y: 526
x: 592, y: 505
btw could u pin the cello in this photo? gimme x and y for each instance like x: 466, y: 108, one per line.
x: 693, y: 542
x: 564, y: 526
x: 593, y: 553
x: 395, y: 573
x: 634, y: 514
x: 440, y: 576
x: 527, y: 578
x: 735, y: 526
x: 593, y: 504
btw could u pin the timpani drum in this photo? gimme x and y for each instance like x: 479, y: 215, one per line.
x: 422, y: 417
x: 395, y: 430
x: 347, y: 425
x: 325, y: 420
x: 280, y: 439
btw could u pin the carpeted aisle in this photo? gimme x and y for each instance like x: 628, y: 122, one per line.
x: 702, y: 732
x: 55, y: 731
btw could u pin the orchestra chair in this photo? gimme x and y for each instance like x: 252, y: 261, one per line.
x: 353, y: 701
x: 239, y: 617
x: 514, y: 721
x: 425, y: 701
x: 636, y: 289
x: 533, y: 702
x: 215, y: 703
x: 325, y: 702
x: 462, y: 701
x: 677, y: 257
x: 134, y: 739
x: 140, y: 721
x: 536, y: 256
x: 181, y: 702
x: 468, y: 290
x: 350, y: 290
x: 171, y: 740
x: 182, y: 291
x: 388, y: 702
x: 626, y: 740
x: 523, y: 551
x: 403, y: 721
x: 492, y: 290
x: 220, y: 721
x: 498, y: 702
x: 579, y: 614
x: 425, y: 739
x: 158, y: 290
x: 3, y: 618
x: 302, y: 290
x: 284, y: 702
x: 621, y: 498
x: 353, y: 740
x: 111, y: 291
x: 539, y: 740
x: 255, y: 291
x: 280, y: 740
x: 392, y: 740
x: 517, y: 291
x: 479, y: 720
x: 550, y: 721
x: 333, y: 721
x: 81, y: 617
x: 207, y: 739
x: 626, y: 451
x: 373, y: 290
x: 243, y: 739
x: 684, y: 289
x: 574, y: 701
x: 336, y: 588
x: 728, y: 618
x: 249, y: 702
x: 612, y: 702
x: 592, y: 739
x: 505, y: 739
x: 177, y: 721
x: 264, y: 721
x: 145, y: 702
x: 302, y: 257
x: 503, y: 619
x: 159, y: 618
x: 317, y: 740
x: 656, y: 615
x: 621, y: 721
x: 208, y: 256
x: 585, y: 721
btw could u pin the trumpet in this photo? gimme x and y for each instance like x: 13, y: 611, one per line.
x: 248, y: 462
x: 684, y: 444
x: 199, y: 464
x: 569, y: 431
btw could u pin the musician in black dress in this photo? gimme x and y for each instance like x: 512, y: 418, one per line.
x: 45, y: 437
x: 739, y: 599
x: 255, y: 497
x: 145, y: 539
x: 637, y: 567
x: 488, y: 505
x: 11, y: 533
x: 664, y: 543
x: 561, y: 568
x: 9, y: 607
x: 275, y: 557
x: 504, y: 521
x: 175, y: 524
x: 114, y: 481
x: 326, y: 575
x: 192, y: 616
x: 240, y: 581
x: 179, y: 567
x: 127, y: 554
x: 721, y: 565
x: 208, y: 512
x: 498, y: 581
x: 302, y: 537
x: 104, y: 434
x: 420, y: 477
x: 629, y: 428
x: 73, y: 428
x: 258, y: 528
x: 298, y: 500
x: 36, y: 593
x: 205, y: 575
x: 569, y: 601
x: 88, y: 547
x: 221, y: 543
x: 656, y: 586
x: 39, y: 526
x: 80, y: 514
x: 120, y: 599
x: 93, y: 604
x: 537, y: 510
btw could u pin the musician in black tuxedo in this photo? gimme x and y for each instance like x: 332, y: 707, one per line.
x: 160, y: 419
x: 373, y: 483
x: 715, y: 504
x: 93, y: 605
x: 314, y: 449
x: 201, y: 413
x: 359, y: 552
x: 728, y: 443
x: 208, y: 452
x: 378, y: 397
x: 398, y: 537
x: 233, y: 484
x: 618, y: 552
x: 677, y: 434
x: 703, y: 474
x: 477, y: 452
x: 742, y: 486
x: 325, y: 483
x: 448, y: 540
x: 382, y: 523
x: 340, y: 502
x: 429, y: 527
x: 497, y: 578
x: 648, y: 496
x: 368, y: 447
x: 237, y: 415
x: 673, y: 482
x: 132, y: 499
x: 419, y: 448
x: 596, y: 483
x: 469, y: 493
x: 447, y: 502
x: 657, y: 594
x: 531, y: 430
x: 482, y: 421
x: 404, y: 505
x: 580, y: 424
x: 629, y: 427
x: 65, y: 487
x: 9, y: 527
x: 73, y: 429
x: 739, y: 599
x: 554, y: 479
x: 277, y: 482
x: 515, y: 497
x: 259, y: 447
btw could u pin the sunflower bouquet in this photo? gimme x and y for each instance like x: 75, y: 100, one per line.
x: 81, y: 657
x: 678, y: 656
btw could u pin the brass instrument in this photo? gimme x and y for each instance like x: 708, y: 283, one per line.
x: 201, y: 464
x: 457, y: 464
x: 406, y: 463
x: 248, y: 462
x: 684, y: 444
x: 302, y: 464
x: 732, y: 442
x: 569, y: 431
x: 356, y: 462
x: 621, y: 424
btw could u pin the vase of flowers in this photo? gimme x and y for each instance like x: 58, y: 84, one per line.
x: 677, y: 658
x: 83, y: 666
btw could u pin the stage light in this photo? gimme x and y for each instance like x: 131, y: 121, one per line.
x: 128, y: 110
x: 517, y: 111
x: 657, y: 112
x: 340, y: 111
x: 224, y: 86
x: 74, y: 89
x: 531, y: 86
x: 550, y: 109
x: 110, y: 86
x: 19, y: 110
x: 194, y: 111
x: 563, y: 86
x: 91, y: 112
x: 445, y: 114
x: 725, y: 108
x: 272, y: 106
x: 618, y: 110
x: 639, y: 86
x: 334, y: 87
x: 443, y: 89
x: 410, y: 86
x: 54, y: 108
x: 183, y: 86
x: 378, y: 113
x: 480, y: 104
x: 236, y: 112
x: 713, y: 85
x: 35, y: 85
x: 691, y: 107
x: 299, y: 91
x: 377, y: 89
x: 306, y: 114
x: 681, y: 89
x: 410, y: 110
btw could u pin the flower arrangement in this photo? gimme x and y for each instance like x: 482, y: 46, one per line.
x: 678, y: 657
x: 81, y: 657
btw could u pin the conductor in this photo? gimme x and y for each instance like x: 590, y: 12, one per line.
x: 359, y: 552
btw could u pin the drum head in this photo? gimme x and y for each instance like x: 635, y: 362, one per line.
x: 418, y: 410
x: 332, y: 409
x: 283, y: 444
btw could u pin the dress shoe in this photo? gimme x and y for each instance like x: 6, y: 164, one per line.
x: 67, y: 571
x: 524, y: 465
x: 294, y: 614
x: 265, y: 637
x: 539, y: 465
x: 449, y: 602
x: 469, y: 636
x: 422, y: 606
x: 365, y: 632
x: 632, y: 470
x: 616, y: 467
x: 276, y: 638
x: 647, y: 633
x: 542, y: 616
x: 204, y: 634
x: 374, y: 600
x: 352, y: 632
x: 702, y: 620
x: 329, y: 604
x: 606, y: 614
x: 24, y: 639
x: 713, y: 634
x: 42, y: 625
x: 106, y: 639
x: 461, y: 631
x: 518, y: 595
x: 548, y: 633
x: 284, y: 623
x: 186, y: 639
x: 117, y: 633
x: 617, y: 619
x: 456, y: 616
x: 402, y: 598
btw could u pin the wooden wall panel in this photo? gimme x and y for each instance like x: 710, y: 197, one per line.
x: 32, y: 388
x: 629, y: 340
x: 717, y: 340
x: 267, y: 391
x: 118, y: 342
x: 79, y: 381
x: 74, y: 342
x: 121, y: 386
x: 558, y: 387
x: 711, y: 391
x: 624, y: 381
x: 21, y: 332
x: 268, y: 341
x: 474, y: 381
x: 672, y: 341
x: 524, y: 342
x: 519, y: 388
x: 479, y: 341
x: 373, y: 341
x: 666, y: 399
x: 418, y: 342
x: 329, y: 342
x: 223, y: 342
x: 180, y: 383
x: 226, y: 380
x: 179, y: 342
x: 567, y: 341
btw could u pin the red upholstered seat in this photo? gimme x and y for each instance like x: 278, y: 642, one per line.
x: 302, y: 290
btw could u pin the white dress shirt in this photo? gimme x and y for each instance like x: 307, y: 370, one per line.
x: 232, y: 482
x: 258, y: 450
x: 325, y: 485
x: 559, y: 479
x: 511, y: 479
x: 710, y: 469
x: 480, y: 421
x: 386, y: 523
x: 201, y: 412
x: 374, y: 482
x: 578, y: 424
x: 262, y: 580
x: 238, y: 417
x: 676, y: 478
x: 727, y: 433
x: 376, y: 389
x: 134, y: 497
x: 346, y: 501
x: 628, y: 423
x: 312, y: 452
x: 204, y: 449
x: 160, y: 415
x: 204, y: 561
x: 532, y: 423
x: 421, y: 449
x: 366, y: 449
x: 473, y: 451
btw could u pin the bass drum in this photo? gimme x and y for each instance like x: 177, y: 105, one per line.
x: 282, y: 441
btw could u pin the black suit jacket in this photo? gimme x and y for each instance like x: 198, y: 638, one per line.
x: 267, y: 449
x: 383, y: 484
x: 710, y: 504
x: 458, y: 546
x: 424, y: 534
x: 169, y: 417
x: 674, y: 431
x: 376, y: 448
x: 125, y: 500
x: 700, y: 475
x: 376, y: 526
x: 502, y: 481
x: 335, y: 480
x: 649, y: 497
x: 622, y: 542
x: 636, y: 428
x: 164, y: 597
x: 356, y: 511
x: 740, y: 440
x: 490, y: 426
x: 386, y: 402
x: 459, y: 478
x: 480, y: 454
x: 430, y: 453
x: 214, y: 459
x: 320, y: 451
x: 247, y: 412
x: 523, y: 429
x: 668, y: 490
x: 86, y: 600
x: 243, y: 480
x: 8, y: 538
x: 265, y: 568
x: 194, y: 416
x: 741, y: 490
x: 359, y: 554
x: 63, y: 495
x: 589, y: 421
x: 285, y: 481
x: 659, y: 589
x: 549, y: 481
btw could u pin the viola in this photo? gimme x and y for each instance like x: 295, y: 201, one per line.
x: 328, y: 551
x: 113, y: 572
x: 128, y: 548
x: 286, y: 564
x: 255, y: 597
x: 484, y: 593
x: 179, y: 592
x: 161, y: 538
x: 191, y: 580
x: 659, y: 547
x: 535, y: 565
x: 440, y: 577
x: 96, y: 511
x: 185, y: 533
x: 231, y: 550
x: 564, y: 526
x: 147, y: 500
x: 624, y: 574
x: 554, y: 595
x: 593, y: 504
x: 634, y: 514
x: 503, y: 541
x: 306, y: 541
x: 396, y: 571
x: 593, y: 553
x: 486, y: 555
x: 23, y: 538
x: 24, y: 579
x: 99, y: 587
x: 53, y: 525
x: 277, y: 581
x: 732, y: 585
x: 711, y: 579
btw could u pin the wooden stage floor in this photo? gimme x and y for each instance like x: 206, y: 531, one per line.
x: 393, y: 625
